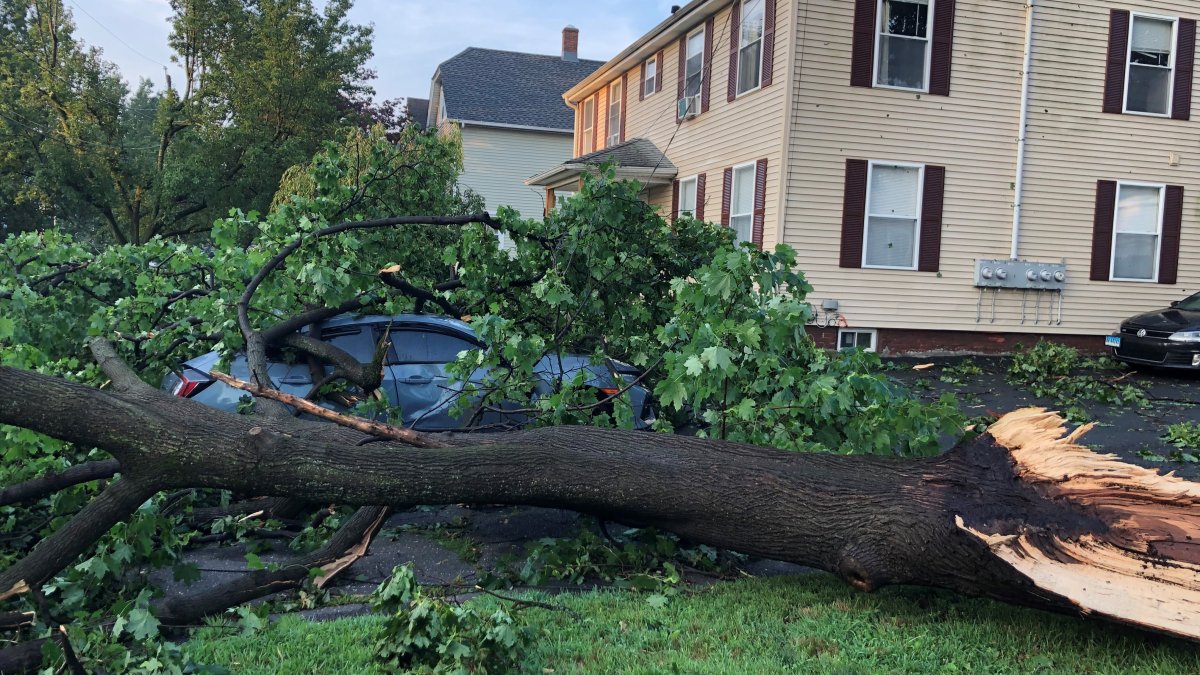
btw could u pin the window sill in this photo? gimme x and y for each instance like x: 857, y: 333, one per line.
x: 1137, y: 113
x: 908, y: 90
x: 882, y: 267
x: 748, y: 92
x: 1134, y: 281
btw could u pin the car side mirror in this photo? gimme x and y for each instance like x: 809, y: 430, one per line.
x: 1174, y: 303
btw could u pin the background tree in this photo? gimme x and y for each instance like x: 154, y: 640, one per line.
x: 265, y: 83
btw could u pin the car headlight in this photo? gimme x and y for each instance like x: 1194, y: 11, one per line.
x: 1185, y: 336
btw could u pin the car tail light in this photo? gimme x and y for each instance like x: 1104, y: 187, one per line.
x: 187, y: 387
x: 610, y: 391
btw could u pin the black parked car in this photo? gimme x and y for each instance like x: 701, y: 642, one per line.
x: 415, y: 376
x: 1168, y: 338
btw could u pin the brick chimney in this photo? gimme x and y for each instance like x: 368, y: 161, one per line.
x: 570, y: 47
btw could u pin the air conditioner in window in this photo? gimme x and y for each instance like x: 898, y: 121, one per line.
x: 689, y: 107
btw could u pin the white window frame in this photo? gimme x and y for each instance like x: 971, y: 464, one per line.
x: 703, y: 61
x: 1133, y: 16
x: 920, y: 215
x: 874, y: 333
x: 733, y: 194
x: 695, y: 182
x: 762, y: 7
x: 613, y: 135
x: 589, y: 132
x: 651, y: 63
x: 1162, y: 203
x: 879, y: 41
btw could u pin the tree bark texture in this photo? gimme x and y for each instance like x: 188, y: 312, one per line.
x: 1023, y: 514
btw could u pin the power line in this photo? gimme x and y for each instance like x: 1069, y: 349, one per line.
x: 118, y: 37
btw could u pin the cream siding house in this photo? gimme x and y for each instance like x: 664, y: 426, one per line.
x: 885, y: 145
x: 509, y: 109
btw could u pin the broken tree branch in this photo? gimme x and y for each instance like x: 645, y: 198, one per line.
x: 371, y: 427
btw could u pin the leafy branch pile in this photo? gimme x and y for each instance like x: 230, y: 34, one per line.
x: 1059, y: 373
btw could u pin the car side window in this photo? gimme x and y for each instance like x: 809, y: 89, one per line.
x: 420, y: 346
x: 358, y: 343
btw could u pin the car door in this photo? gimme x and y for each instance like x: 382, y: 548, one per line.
x: 418, y: 379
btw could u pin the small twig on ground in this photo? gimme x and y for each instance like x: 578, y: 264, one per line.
x: 531, y: 603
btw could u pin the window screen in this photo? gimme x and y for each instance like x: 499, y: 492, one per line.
x: 903, y: 46
x: 1150, y: 65
x: 892, y: 213
x: 1137, y: 228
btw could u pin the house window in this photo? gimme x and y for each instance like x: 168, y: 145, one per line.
x: 650, y: 79
x: 1148, y: 82
x: 614, y: 114
x: 741, y: 203
x: 903, y: 44
x: 1137, y: 232
x: 750, y: 47
x: 561, y: 197
x: 687, y: 197
x: 693, y: 76
x: 893, y: 215
x: 856, y: 339
x: 589, y: 126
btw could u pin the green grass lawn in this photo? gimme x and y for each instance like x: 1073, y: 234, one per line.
x: 808, y: 624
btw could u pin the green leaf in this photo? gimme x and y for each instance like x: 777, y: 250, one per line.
x: 657, y: 600
x: 7, y: 327
x: 142, y: 624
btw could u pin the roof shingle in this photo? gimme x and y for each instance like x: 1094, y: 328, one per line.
x: 499, y: 87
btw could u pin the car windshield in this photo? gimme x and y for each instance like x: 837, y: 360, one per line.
x: 1191, y: 304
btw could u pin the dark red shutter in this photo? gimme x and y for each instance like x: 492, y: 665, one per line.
x: 854, y: 212
x: 682, y: 70
x: 862, y: 56
x: 706, y: 71
x: 943, y: 47
x: 1168, y: 266
x: 760, y: 202
x: 642, y: 83
x: 596, y: 123
x: 659, y: 73
x: 1114, y: 78
x: 624, y: 102
x: 1185, y: 63
x: 1102, y: 229
x: 674, y: 200
x: 930, y: 257
x: 726, y: 196
x: 700, y: 185
x: 768, y: 44
x: 735, y: 24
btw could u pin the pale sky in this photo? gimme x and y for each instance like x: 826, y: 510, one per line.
x: 411, y: 37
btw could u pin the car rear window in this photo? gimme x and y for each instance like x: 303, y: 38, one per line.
x: 1191, y: 304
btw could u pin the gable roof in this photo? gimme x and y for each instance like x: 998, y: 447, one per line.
x: 636, y: 152
x: 490, y: 86
x: 637, y: 158
x: 418, y: 109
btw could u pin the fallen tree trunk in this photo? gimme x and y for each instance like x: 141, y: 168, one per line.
x: 1023, y: 514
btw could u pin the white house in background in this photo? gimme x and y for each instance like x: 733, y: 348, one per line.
x: 514, y: 122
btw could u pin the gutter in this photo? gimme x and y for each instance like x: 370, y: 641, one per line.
x: 657, y: 38
x: 1022, y: 131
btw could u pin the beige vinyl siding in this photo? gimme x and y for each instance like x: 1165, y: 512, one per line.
x: 497, y: 162
x: 1073, y: 144
x: 972, y: 133
x: 746, y: 130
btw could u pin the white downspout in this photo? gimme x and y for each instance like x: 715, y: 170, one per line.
x: 1019, y: 183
